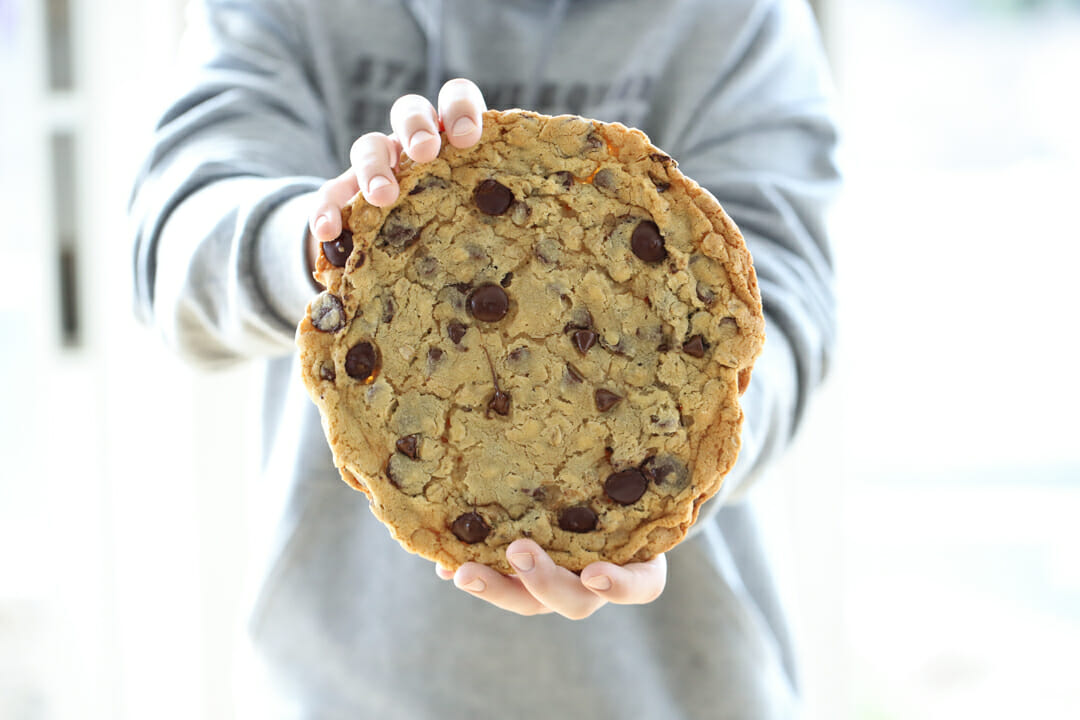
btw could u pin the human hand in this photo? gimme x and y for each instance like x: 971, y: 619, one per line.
x: 374, y: 156
x: 540, y: 586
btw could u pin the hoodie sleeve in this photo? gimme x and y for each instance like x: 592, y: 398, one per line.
x: 762, y: 140
x: 220, y: 206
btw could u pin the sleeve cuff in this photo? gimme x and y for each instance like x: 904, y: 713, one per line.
x: 282, y: 269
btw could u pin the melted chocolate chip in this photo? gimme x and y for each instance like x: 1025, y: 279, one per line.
x: 705, y: 294
x: 470, y: 528
x: 390, y: 474
x: 695, y: 346
x: 666, y: 471
x: 518, y: 354
x: 564, y: 178
x: 507, y: 279
x: 647, y: 243
x: 362, y: 361
x: 627, y: 486
x: 535, y: 493
x: 337, y: 251
x: 500, y: 403
x: 604, y: 179
x: 583, y: 340
x: 663, y: 159
x: 427, y: 266
x: 427, y: 182
x: 579, y: 519
x: 455, y: 331
x: 488, y: 303
x: 580, y: 319
x: 326, y: 372
x: 548, y: 251
x: 389, y: 308
x: 605, y: 400
x: 574, y: 374
x: 492, y: 198
x: 327, y: 313
x: 409, y: 446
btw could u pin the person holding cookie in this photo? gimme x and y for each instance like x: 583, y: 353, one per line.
x: 529, y: 340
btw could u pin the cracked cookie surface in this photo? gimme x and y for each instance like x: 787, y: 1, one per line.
x: 546, y: 336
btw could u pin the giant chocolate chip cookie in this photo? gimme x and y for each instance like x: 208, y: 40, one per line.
x: 546, y: 336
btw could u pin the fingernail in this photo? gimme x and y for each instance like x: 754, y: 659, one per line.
x: 419, y: 138
x: 322, y: 225
x: 522, y: 561
x: 376, y: 183
x: 463, y: 126
x: 476, y: 586
x: 600, y: 582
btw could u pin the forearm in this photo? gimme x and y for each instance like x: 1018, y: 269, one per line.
x: 227, y: 273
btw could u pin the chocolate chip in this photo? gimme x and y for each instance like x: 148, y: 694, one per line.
x: 579, y: 519
x: 660, y: 185
x: 428, y: 182
x: 663, y: 159
x: 564, y: 178
x: 409, y: 446
x: 548, y: 250
x: 583, y: 340
x: 337, y: 251
x: 500, y: 403
x: 518, y: 354
x: 470, y: 528
x: 580, y: 319
x: 575, y: 374
x: 390, y: 474
x: 488, y: 303
x: 492, y: 198
x: 666, y: 471
x: 327, y: 313
x: 455, y: 331
x: 434, y: 355
x: 397, y: 233
x: 427, y: 266
x: 605, y: 400
x: 362, y: 361
x: 647, y: 243
x: 695, y: 346
x: 604, y: 179
x: 389, y: 308
x: 327, y: 373
x: 592, y: 142
x: 627, y: 486
x: 506, y: 280
x: 705, y: 294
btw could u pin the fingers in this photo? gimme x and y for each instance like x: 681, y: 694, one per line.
x: 325, y: 221
x: 633, y: 584
x: 552, y: 586
x: 416, y: 127
x: 461, y: 106
x: 501, y: 591
x: 541, y: 586
x: 374, y: 157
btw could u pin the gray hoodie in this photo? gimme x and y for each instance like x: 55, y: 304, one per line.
x: 343, y: 622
